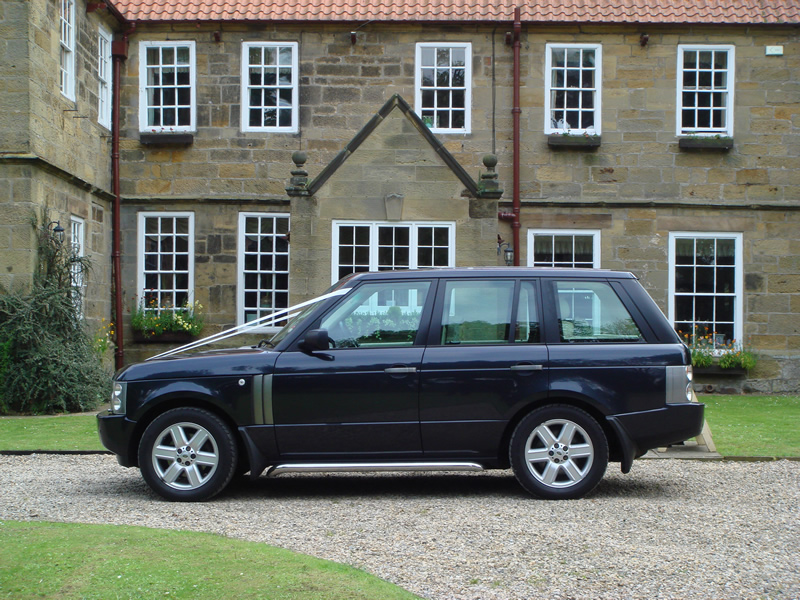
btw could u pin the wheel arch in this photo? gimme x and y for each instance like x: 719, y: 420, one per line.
x: 152, y: 410
x: 614, y: 446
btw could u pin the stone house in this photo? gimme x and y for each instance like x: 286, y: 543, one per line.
x: 266, y: 149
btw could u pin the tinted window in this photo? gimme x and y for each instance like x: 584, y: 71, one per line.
x: 477, y: 312
x: 590, y: 311
x: 378, y: 314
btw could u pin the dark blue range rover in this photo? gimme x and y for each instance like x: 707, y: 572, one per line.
x: 550, y: 372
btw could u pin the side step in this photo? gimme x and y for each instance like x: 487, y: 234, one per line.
x: 365, y: 467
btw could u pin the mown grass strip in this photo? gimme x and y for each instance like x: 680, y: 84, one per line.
x: 754, y: 425
x: 97, y: 562
x: 69, y: 432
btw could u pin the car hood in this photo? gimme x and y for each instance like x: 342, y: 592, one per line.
x: 212, y: 363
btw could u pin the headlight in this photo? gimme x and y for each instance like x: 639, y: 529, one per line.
x: 118, y: 398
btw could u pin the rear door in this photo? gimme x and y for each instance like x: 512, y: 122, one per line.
x: 485, y: 359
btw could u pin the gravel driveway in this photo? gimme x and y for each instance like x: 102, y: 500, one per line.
x: 669, y: 529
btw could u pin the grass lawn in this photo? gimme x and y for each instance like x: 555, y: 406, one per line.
x: 754, y: 425
x: 70, y: 432
x: 72, y: 561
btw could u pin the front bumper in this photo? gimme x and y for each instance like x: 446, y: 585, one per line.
x: 642, y: 431
x: 116, y: 433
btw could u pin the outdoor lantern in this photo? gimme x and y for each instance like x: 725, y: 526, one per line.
x: 58, y: 231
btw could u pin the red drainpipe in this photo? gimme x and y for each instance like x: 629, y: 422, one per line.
x: 119, y: 52
x: 515, y: 112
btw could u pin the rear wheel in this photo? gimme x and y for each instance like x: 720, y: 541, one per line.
x: 559, y: 452
x: 187, y: 454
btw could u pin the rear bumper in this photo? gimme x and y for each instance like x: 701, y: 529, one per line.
x: 116, y: 432
x: 642, y: 431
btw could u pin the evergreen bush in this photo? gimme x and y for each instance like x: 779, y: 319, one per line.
x: 47, y: 360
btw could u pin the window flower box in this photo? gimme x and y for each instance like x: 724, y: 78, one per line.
x: 163, y: 139
x: 711, y: 143
x: 557, y: 140
x: 717, y: 371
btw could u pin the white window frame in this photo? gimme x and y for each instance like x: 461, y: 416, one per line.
x: 467, y: 47
x: 246, y: 87
x: 596, y: 247
x: 104, y: 77
x: 67, y: 47
x: 728, y: 90
x: 143, y: 87
x: 555, y: 128
x: 738, y: 323
x: 77, y: 240
x: 140, y: 252
x: 413, y: 244
x: 240, y: 257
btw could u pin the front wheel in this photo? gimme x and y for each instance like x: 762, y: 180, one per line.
x: 559, y: 452
x: 187, y: 454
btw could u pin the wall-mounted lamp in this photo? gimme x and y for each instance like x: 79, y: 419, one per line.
x: 506, y: 249
x: 643, y: 39
x: 57, y: 231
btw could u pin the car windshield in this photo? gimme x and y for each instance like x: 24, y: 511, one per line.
x: 301, y: 316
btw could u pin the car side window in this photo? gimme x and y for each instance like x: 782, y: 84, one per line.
x: 378, y: 315
x: 591, y: 311
x: 477, y: 312
x: 527, y: 330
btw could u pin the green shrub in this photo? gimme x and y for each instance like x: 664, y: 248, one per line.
x: 47, y: 360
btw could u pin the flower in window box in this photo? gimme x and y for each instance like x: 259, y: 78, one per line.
x: 150, y: 320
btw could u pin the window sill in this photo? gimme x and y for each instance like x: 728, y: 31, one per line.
x: 701, y: 143
x: 556, y: 140
x: 155, y: 139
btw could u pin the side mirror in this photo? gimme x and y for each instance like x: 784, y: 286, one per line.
x: 315, y: 340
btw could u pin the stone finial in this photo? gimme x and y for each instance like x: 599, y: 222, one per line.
x: 488, y: 183
x: 299, y: 180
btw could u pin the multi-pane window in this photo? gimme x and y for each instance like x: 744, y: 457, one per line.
x: 443, y: 86
x: 104, y: 78
x: 360, y: 246
x: 77, y: 240
x: 166, y: 86
x: 263, y: 285
x: 571, y: 249
x: 269, y: 86
x: 166, y: 260
x: 706, y: 287
x: 705, y: 90
x: 67, y: 38
x: 573, y: 78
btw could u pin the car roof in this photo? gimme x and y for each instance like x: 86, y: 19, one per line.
x: 489, y: 272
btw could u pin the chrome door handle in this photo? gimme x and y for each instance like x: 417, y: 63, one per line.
x: 396, y: 370
x: 526, y: 367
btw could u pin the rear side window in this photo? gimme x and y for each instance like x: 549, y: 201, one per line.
x: 590, y: 311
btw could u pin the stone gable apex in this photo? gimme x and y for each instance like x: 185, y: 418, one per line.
x: 396, y: 102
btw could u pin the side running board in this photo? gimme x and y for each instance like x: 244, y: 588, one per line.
x: 371, y: 467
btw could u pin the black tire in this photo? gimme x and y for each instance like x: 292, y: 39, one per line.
x: 558, y: 452
x: 188, y: 455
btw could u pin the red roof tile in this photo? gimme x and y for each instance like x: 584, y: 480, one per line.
x: 538, y: 11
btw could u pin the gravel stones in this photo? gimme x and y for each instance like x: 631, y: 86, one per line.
x: 669, y: 529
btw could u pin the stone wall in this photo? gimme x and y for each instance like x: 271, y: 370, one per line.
x: 53, y: 153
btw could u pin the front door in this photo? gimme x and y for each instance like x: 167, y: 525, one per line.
x: 361, y: 396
